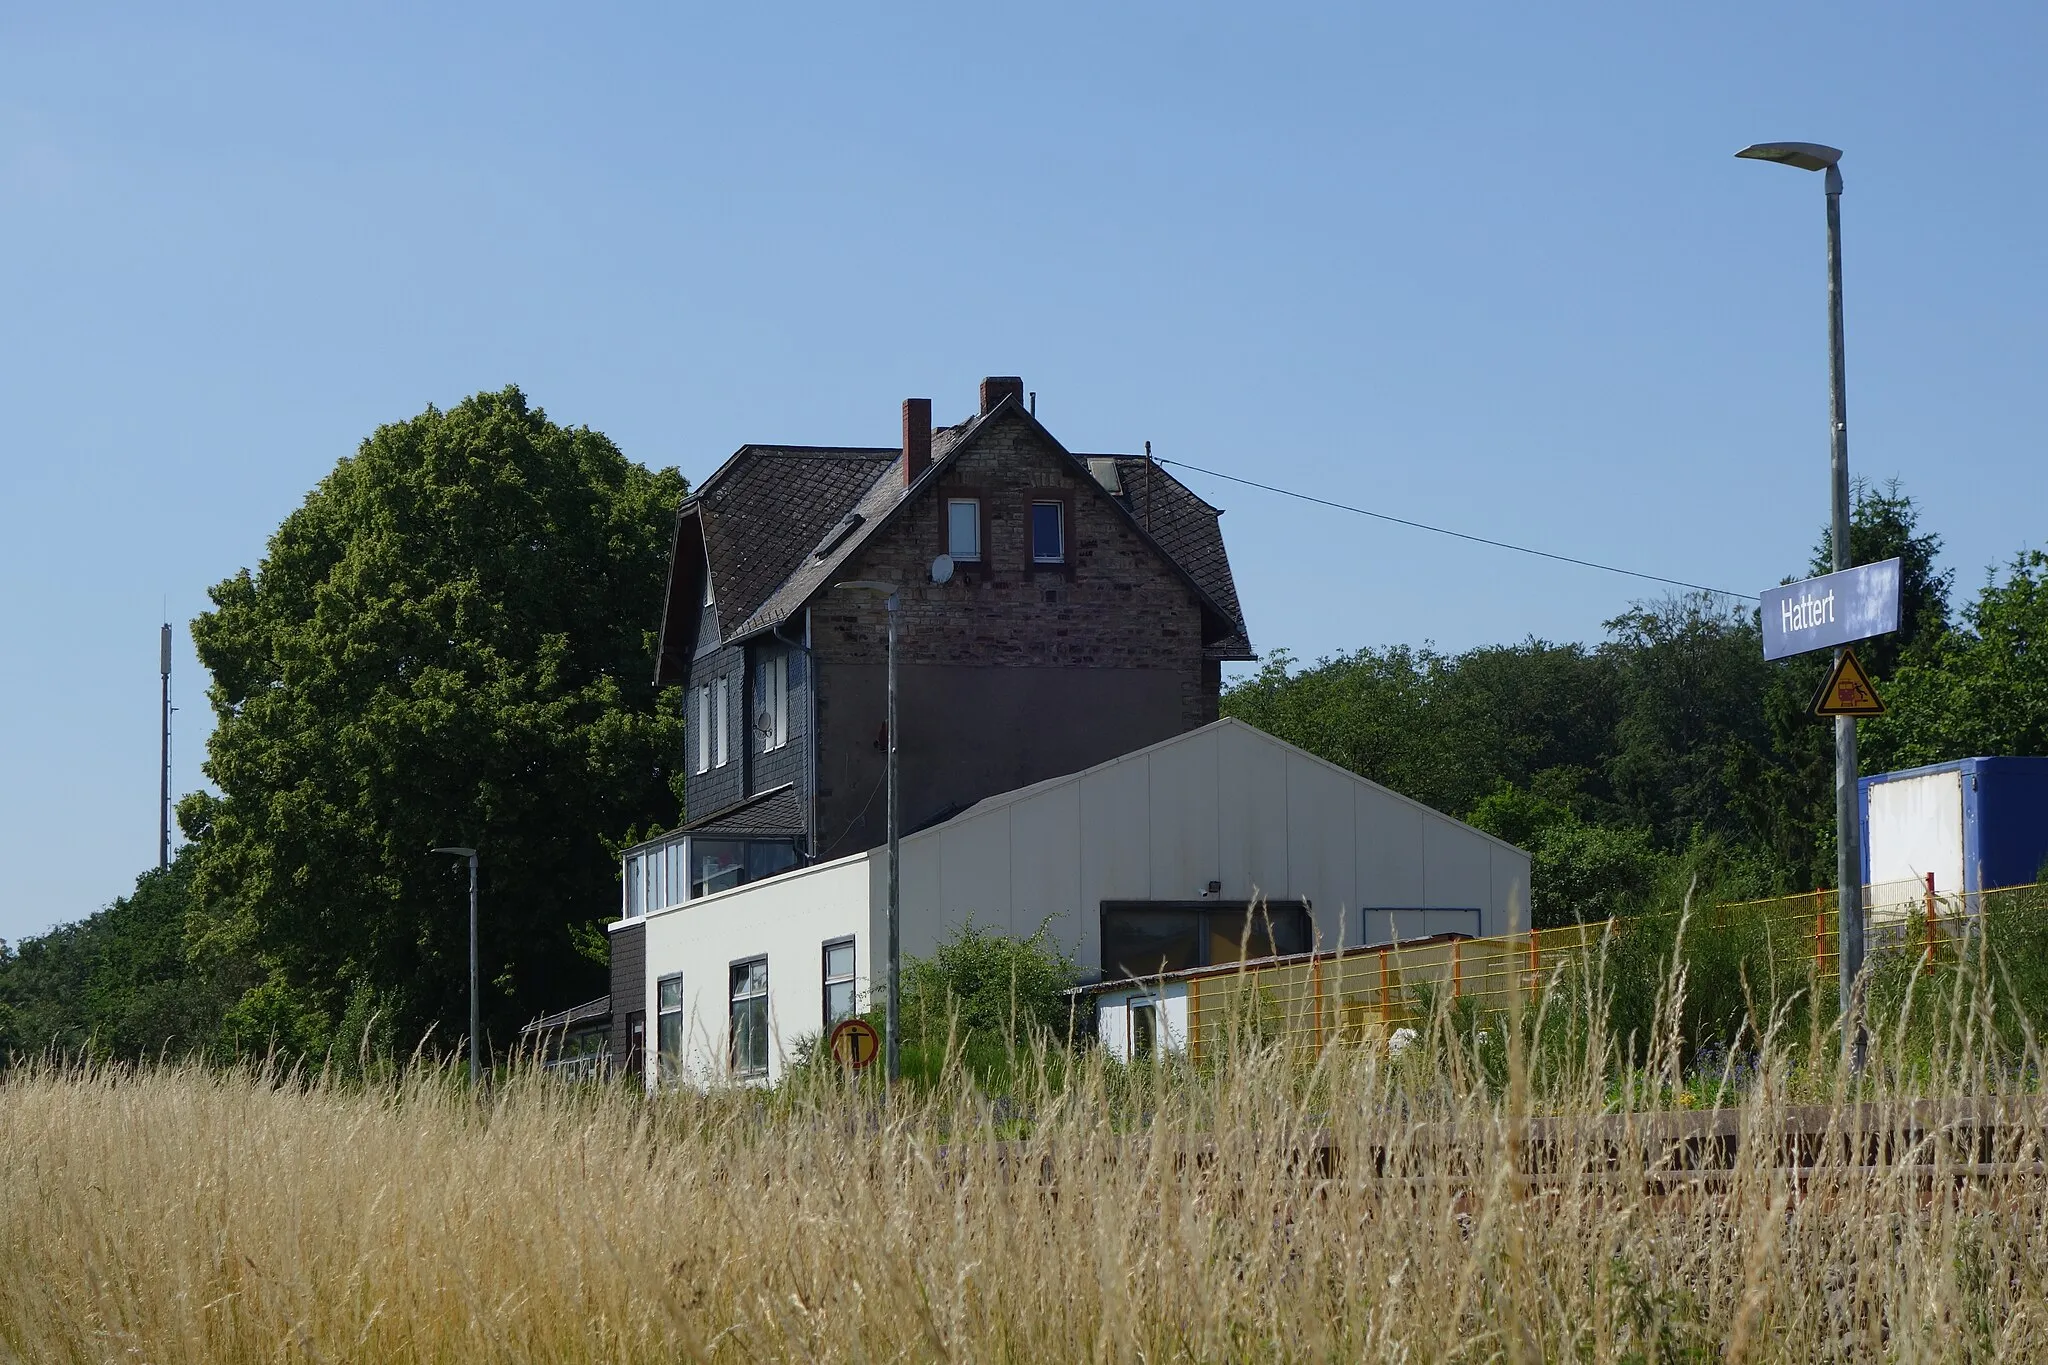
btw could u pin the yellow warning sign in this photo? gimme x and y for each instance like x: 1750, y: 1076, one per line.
x: 1848, y: 691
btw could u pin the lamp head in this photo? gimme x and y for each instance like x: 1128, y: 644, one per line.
x: 1806, y: 156
x: 455, y: 852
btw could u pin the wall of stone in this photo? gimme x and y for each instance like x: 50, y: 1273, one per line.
x: 1012, y: 672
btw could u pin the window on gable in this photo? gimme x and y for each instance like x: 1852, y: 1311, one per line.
x: 963, y: 528
x: 703, y: 729
x: 771, y: 701
x: 1048, y: 533
x: 721, y: 737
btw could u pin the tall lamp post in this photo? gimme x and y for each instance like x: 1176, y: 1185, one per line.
x: 475, y: 1045
x: 892, y: 1020
x: 1812, y: 156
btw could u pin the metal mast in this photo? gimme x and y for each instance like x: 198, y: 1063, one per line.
x: 163, y: 796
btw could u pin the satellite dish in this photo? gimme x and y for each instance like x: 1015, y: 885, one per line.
x: 942, y: 569
x: 764, y: 723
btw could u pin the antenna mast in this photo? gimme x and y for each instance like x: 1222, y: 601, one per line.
x: 163, y: 832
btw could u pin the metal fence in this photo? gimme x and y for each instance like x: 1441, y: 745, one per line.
x: 1363, y: 995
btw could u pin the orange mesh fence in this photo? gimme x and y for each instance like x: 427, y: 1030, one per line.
x: 1362, y: 995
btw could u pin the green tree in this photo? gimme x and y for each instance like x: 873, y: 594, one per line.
x: 1691, y: 673
x: 448, y: 643
x: 120, y: 983
x: 1578, y: 872
x: 1785, y: 794
x: 1984, y: 690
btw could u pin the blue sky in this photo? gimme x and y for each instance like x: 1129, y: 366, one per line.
x: 1486, y: 265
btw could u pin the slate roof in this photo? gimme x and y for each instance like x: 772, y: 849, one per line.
x: 764, y: 516
x: 765, y: 511
x: 776, y: 811
x: 1191, y: 533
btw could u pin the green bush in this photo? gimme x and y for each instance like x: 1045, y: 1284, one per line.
x: 990, y: 997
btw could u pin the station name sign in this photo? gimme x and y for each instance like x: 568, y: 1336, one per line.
x: 1834, y: 609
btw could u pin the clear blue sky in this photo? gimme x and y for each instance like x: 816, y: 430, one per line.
x: 1492, y: 266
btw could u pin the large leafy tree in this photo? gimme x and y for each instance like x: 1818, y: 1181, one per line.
x: 1985, y: 689
x: 450, y: 642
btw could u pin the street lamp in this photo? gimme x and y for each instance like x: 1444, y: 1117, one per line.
x: 892, y: 1020
x: 475, y: 1066
x: 1812, y: 156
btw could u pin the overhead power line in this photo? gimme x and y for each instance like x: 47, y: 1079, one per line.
x: 1459, y: 535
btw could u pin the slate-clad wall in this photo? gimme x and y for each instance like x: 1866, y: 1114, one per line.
x: 717, y: 788
x: 629, y: 985
x: 770, y: 768
x: 1011, y: 673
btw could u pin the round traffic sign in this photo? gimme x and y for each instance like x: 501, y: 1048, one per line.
x: 854, y: 1043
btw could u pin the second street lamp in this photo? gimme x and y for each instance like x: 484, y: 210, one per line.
x: 475, y: 1046
x: 1814, y: 156
x: 892, y: 1020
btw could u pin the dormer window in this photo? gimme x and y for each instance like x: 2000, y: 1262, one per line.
x: 1048, y: 533
x: 963, y: 529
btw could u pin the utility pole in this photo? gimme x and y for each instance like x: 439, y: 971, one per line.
x: 892, y: 1015
x: 163, y: 795
x: 1811, y: 156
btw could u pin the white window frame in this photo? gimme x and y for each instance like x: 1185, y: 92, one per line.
x: 1060, y: 515
x: 721, y: 726
x: 1147, y: 1005
x: 773, y: 697
x: 846, y: 979
x: 635, y: 901
x: 971, y: 555
x: 734, y: 1001
x: 704, y: 729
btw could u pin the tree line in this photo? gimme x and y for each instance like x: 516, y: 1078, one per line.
x: 1671, y: 748
x: 451, y: 642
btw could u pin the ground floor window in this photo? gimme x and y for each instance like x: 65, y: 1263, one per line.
x: 668, y: 1029
x: 1147, y: 938
x: 1144, y: 1029
x: 839, y: 1002
x: 749, y: 1033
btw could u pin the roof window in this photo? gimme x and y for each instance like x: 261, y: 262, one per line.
x: 836, y: 537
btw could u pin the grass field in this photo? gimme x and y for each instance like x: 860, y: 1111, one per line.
x: 1346, y: 1206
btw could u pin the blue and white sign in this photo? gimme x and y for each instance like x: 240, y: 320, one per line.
x: 1834, y: 609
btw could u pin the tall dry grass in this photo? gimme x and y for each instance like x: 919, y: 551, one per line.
x: 1458, y: 1202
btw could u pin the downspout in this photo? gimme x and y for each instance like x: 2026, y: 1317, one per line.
x: 810, y: 734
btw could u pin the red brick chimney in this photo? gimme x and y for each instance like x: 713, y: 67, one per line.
x: 917, y: 438
x: 997, y: 387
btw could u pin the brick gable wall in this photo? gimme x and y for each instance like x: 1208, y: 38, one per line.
x: 1012, y: 672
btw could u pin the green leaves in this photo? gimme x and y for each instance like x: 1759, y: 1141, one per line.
x: 1983, y: 689
x: 446, y: 644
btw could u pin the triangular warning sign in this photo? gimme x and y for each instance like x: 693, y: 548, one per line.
x: 1848, y: 691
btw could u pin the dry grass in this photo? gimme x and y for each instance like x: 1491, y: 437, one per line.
x: 186, y: 1215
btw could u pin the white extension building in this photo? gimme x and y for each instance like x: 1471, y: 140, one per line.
x: 1142, y: 864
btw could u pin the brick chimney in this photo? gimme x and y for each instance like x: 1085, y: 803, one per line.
x: 917, y: 438
x: 997, y: 387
